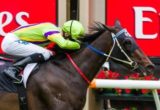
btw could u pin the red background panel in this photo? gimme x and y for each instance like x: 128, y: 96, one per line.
x: 38, y: 11
x: 124, y: 11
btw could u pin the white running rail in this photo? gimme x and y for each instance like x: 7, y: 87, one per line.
x: 130, y: 84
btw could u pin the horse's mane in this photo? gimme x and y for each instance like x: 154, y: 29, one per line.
x: 95, y: 30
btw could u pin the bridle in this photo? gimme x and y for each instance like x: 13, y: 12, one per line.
x: 129, y: 61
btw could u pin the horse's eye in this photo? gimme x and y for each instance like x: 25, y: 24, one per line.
x: 127, y: 44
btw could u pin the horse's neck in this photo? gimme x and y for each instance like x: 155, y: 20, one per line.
x: 88, y: 61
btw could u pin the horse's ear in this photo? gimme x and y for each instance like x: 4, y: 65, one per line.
x: 116, y: 28
x: 117, y: 24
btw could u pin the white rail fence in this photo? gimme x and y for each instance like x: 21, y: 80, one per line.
x: 123, y: 84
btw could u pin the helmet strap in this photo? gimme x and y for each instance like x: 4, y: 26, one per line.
x: 71, y: 34
x: 71, y: 28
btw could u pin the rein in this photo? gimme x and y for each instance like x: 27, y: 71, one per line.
x: 78, y: 69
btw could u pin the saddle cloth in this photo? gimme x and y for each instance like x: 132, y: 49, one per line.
x: 27, y: 71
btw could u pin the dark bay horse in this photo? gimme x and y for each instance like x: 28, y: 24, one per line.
x: 58, y: 86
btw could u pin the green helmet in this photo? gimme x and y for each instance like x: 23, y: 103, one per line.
x: 73, y: 28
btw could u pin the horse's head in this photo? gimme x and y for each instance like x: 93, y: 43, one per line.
x: 128, y: 51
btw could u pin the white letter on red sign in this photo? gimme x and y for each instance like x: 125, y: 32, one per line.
x: 19, y: 19
x: 8, y: 19
x: 139, y: 19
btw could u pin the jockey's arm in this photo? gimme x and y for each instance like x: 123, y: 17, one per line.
x: 63, y: 43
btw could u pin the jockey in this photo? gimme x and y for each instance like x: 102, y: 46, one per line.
x: 30, y: 42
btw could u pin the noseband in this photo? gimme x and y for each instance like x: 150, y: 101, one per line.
x: 129, y: 61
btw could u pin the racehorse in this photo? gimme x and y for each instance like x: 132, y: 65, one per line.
x: 58, y: 85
